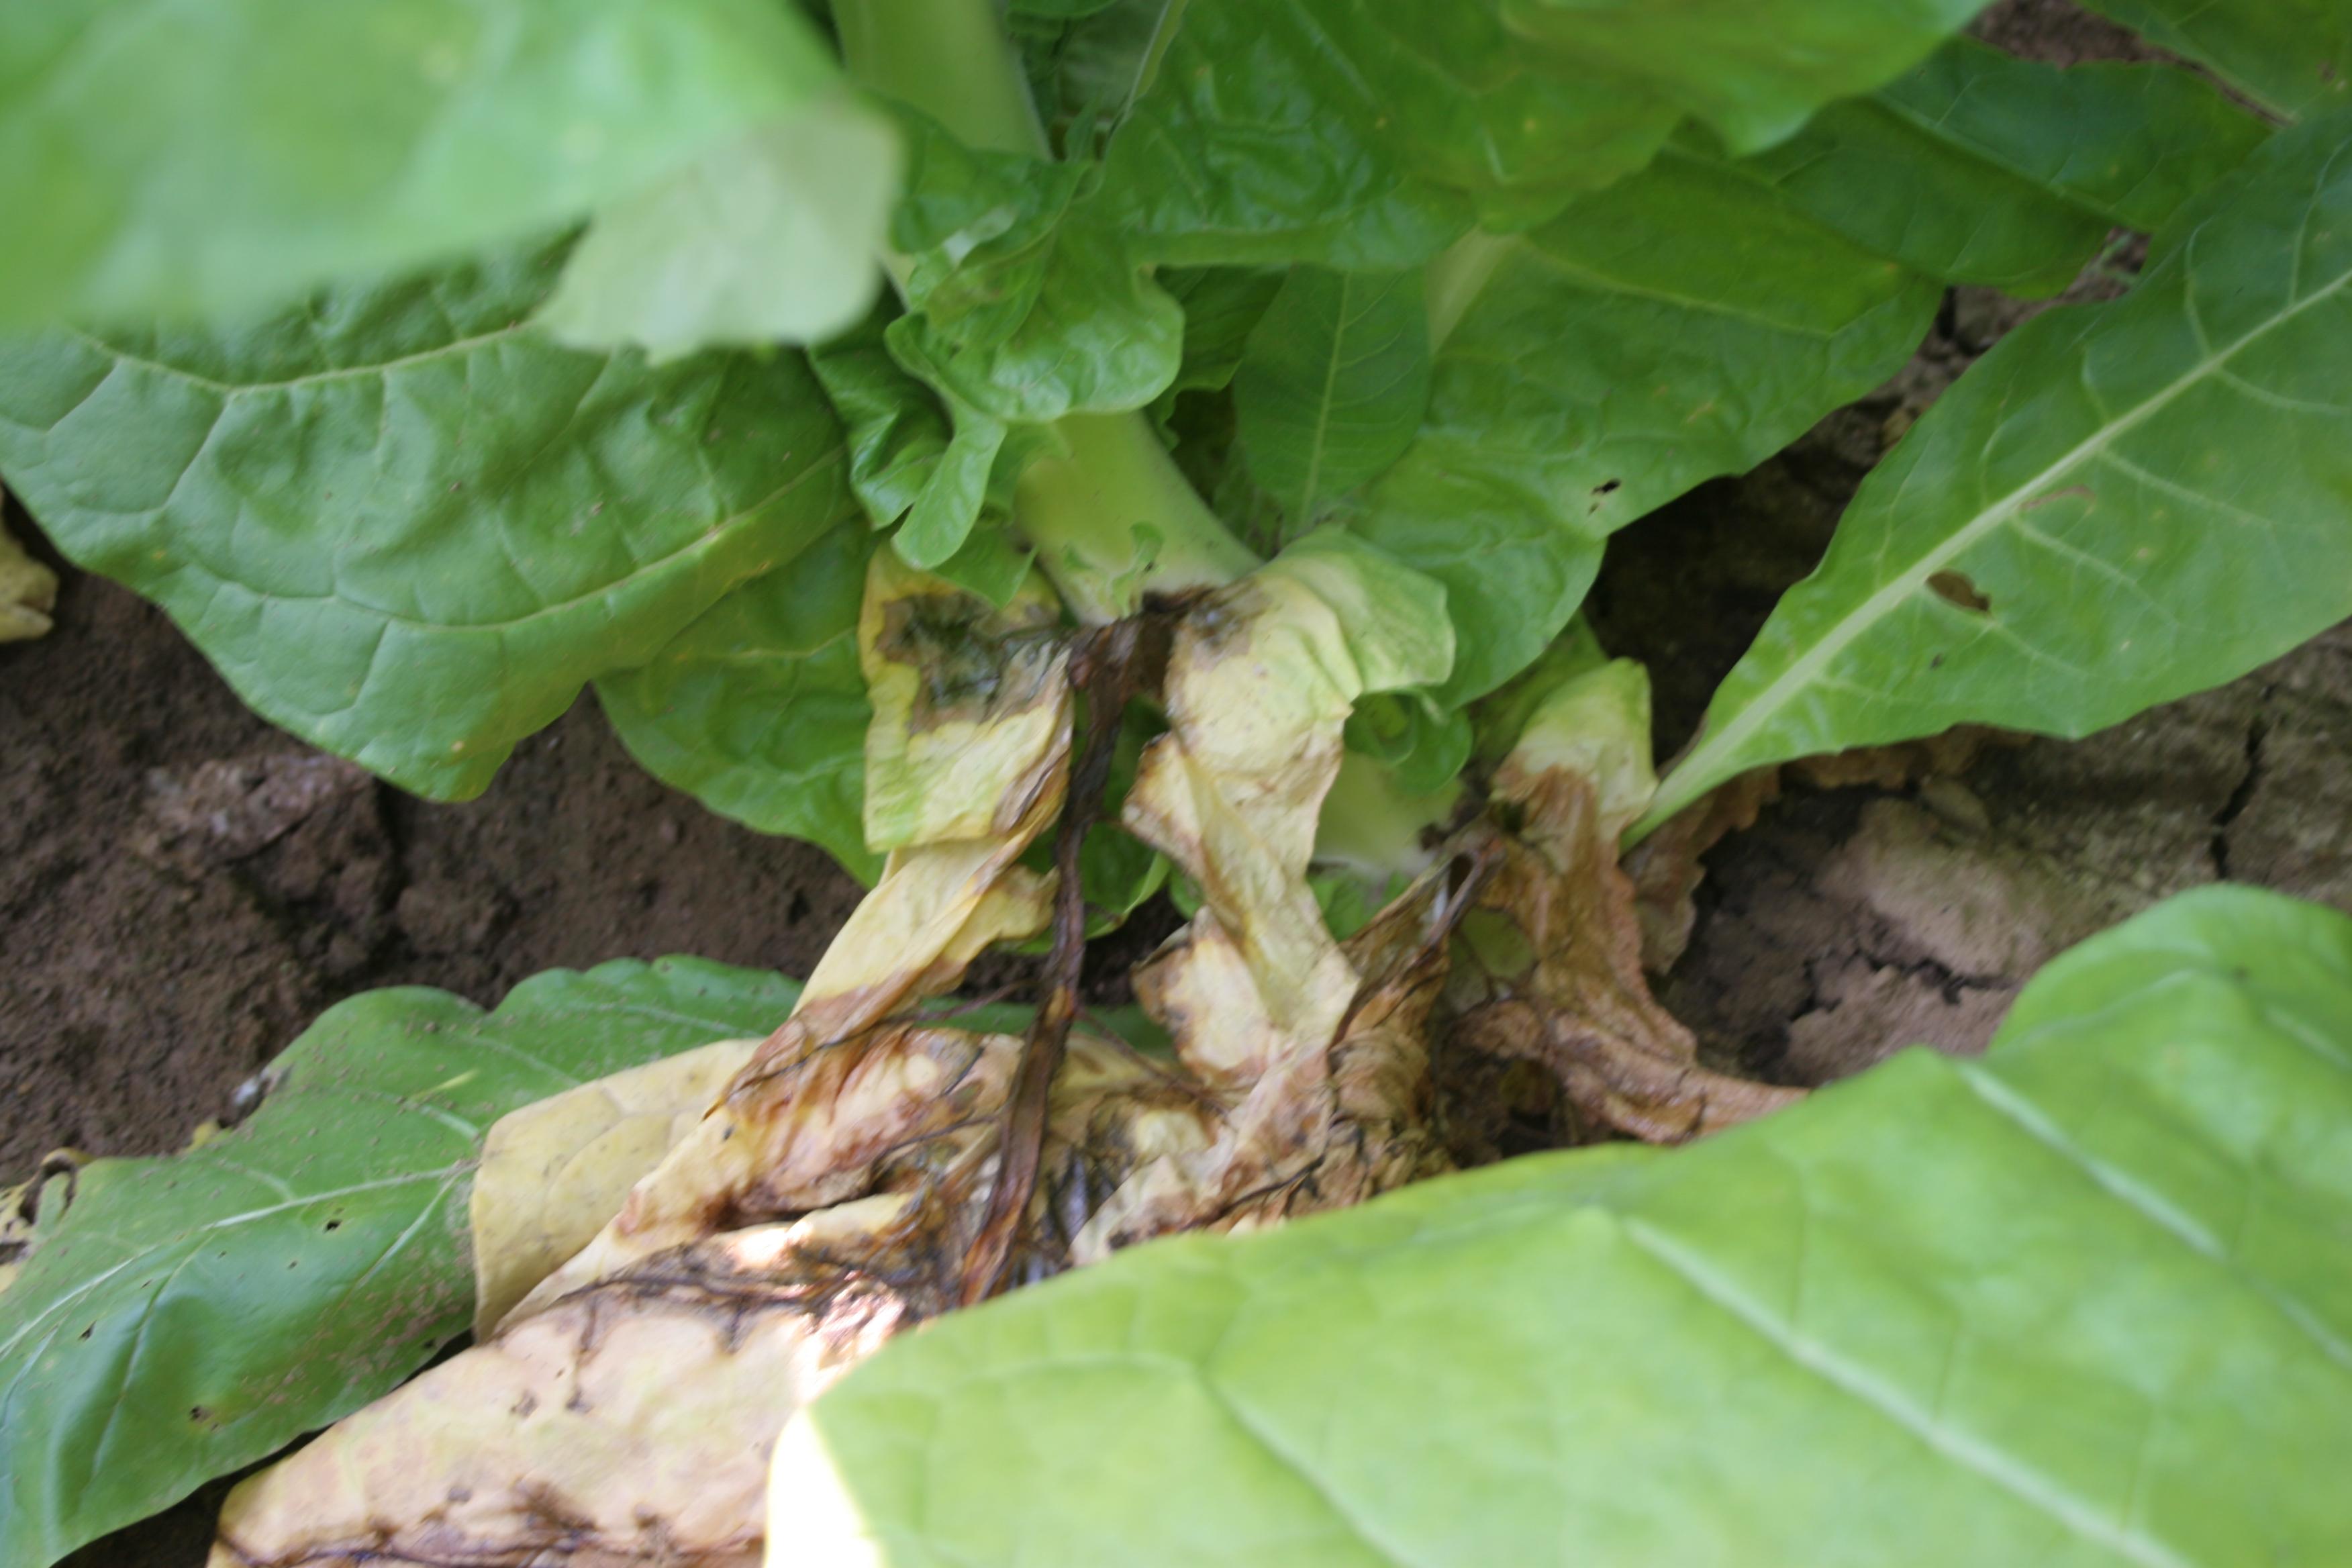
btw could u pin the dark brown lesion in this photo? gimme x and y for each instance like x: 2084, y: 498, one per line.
x: 1955, y: 589
x: 975, y: 664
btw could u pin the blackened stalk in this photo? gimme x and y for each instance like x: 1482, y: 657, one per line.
x: 1103, y: 664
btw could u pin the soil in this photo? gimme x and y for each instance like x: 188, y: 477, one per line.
x: 183, y: 886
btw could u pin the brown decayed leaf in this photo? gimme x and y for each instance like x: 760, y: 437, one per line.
x: 824, y: 1203
x: 1560, y: 980
x: 1666, y: 866
x: 623, y: 1412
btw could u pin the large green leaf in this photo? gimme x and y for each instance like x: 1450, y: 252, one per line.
x: 1981, y: 168
x: 759, y: 708
x: 1682, y: 324
x: 1354, y: 136
x: 2086, y: 1301
x: 1360, y: 136
x: 1753, y: 72
x: 772, y: 236
x: 2120, y: 504
x: 405, y: 526
x: 2293, y: 56
x: 186, y: 1316
x: 202, y: 156
x: 1332, y: 384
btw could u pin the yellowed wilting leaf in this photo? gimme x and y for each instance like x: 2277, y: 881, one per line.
x: 28, y: 591
x: 937, y: 907
x: 630, y: 1423
x: 17, y: 1210
x: 1260, y: 1000
x: 935, y: 910
x: 553, y: 1173
x: 1594, y: 726
x: 968, y: 699
x: 620, y: 1413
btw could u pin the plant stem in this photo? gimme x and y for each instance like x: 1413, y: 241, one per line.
x: 948, y: 58
x: 1111, y: 518
x: 1456, y: 277
x: 1105, y: 663
x: 1114, y: 519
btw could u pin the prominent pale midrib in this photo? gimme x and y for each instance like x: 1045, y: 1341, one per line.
x: 1768, y: 703
x: 1594, y: 278
x: 711, y: 539
x: 455, y: 346
x: 2009, y: 1473
x: 1323, y: 404
x: 227, y: 1222
x: 2150, y: 1205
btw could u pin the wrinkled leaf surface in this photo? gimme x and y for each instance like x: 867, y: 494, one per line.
x: 402, y: 524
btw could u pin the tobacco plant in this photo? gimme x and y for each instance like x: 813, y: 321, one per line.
x: 1052, y: 453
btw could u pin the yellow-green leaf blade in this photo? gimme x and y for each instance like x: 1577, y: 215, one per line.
x: 167, y: 157
x: 758, y: 710
x: 2121, y: 504
x: 401, y: 523
x: 2292, y: 55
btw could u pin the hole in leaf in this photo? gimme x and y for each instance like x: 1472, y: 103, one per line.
x: 1607, y: 487
x: 1953, y: 588
x: 335, y: 1224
